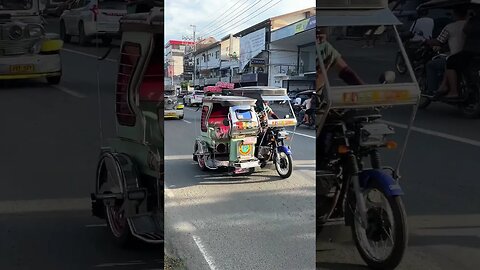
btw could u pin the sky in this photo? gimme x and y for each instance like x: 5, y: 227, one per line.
x: 219, y: 18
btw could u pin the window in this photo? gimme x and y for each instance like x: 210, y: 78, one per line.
x: 203, y: 122
x: 198, y: 61
x: 152, y: 82
x: 128, y: 62
x: 216, y: 54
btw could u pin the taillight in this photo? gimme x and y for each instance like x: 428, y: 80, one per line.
x: 94, y: 9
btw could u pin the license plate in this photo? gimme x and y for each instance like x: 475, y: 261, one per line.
x: 22, y: 68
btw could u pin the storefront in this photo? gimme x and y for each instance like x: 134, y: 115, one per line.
x: 292, y: 56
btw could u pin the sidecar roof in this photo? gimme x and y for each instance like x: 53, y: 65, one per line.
x: 257, y: 91
x: 229, y: 101
x: 354, y: 13
x: 434, y: 4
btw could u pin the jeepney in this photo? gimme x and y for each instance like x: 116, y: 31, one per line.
x: 26, y: 50
x: 173, y: 108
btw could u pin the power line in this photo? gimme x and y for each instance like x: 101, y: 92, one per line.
x: 219, y: 17
x: 226, y: 23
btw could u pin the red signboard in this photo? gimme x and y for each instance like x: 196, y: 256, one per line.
x: 225, y: 85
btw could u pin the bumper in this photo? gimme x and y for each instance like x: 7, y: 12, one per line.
x: 247, y: 164
x: 102, y: 30
x: 30, y: 66
x: 173, y: 113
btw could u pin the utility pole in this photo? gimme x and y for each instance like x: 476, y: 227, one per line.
x: 194, y: 52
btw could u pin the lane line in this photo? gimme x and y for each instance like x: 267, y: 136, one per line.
x: 69, y: 91
x: 44, y: 205
x: 301, y: 134
x: 187, y: 121
x: 88, y: 55
x: 436, y: 134
x: 202, y: 249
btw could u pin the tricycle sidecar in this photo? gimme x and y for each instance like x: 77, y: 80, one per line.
x: 229, y: 127
x: 129, y: 183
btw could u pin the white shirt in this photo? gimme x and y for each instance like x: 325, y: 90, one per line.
x: 422, y: 28
x: 453, y: 34
x: 307, y: 103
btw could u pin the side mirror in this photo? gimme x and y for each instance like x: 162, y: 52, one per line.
x: 226, y: 122
x: 287, y: 116
x: 387, y: 77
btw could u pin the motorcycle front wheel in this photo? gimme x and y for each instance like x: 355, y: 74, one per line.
x: 283, y: 164
x: 383, y: 242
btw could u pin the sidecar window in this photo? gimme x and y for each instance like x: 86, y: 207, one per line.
x: 203, y: 121
x: 243, y: 114
x: 130, y: 55
x: 152, y: 83
x: 218, y: 114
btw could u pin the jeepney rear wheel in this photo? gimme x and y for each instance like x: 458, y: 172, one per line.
x: 117, y: 222
x: 63, y: 32
x: 82, y: 38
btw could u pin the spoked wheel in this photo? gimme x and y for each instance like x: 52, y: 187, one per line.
x: 115, y: 214
x: 283, y: 164
x: 400, y: 64
x: 383, y: 242
x: 118, y: 223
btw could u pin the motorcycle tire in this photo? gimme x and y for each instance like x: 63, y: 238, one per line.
x: 289, y: 166
x: 400, y: 233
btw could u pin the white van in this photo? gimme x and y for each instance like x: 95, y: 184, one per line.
x: 90, y: 19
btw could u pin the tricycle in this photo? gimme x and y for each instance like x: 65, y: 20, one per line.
x: 129, y: 181
x: 173, y: 108
x: 275, y: 114
x: 354, y: 188
x: 228, y: 133
x: 26, y: 50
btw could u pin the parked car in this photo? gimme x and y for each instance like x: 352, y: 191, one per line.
x: 89, y: 19
x: 194, y: 98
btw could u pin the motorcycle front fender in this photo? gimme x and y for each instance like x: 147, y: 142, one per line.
x: 284, y: 149
x: 386, y: 181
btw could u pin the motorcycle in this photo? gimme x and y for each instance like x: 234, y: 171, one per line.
x: 468, y: 100
x: 271, y: 146
x: 300, y: 111
x: 353, y: 186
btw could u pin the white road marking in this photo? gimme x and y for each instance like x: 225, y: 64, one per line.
x: 87, y: 54
x: 187, y: 121
x: 69, y: 91
x: 301, y: 134
x: 44, y: 205
x: 96, y: 225
x: 202, y: 249
x: 436, y: 134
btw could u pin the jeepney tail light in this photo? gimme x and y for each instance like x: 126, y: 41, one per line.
x: 94, y: 9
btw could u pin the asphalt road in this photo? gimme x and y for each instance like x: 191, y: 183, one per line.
x: 439, y: 178
x: 215, y: 221
x: 50, y: 144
